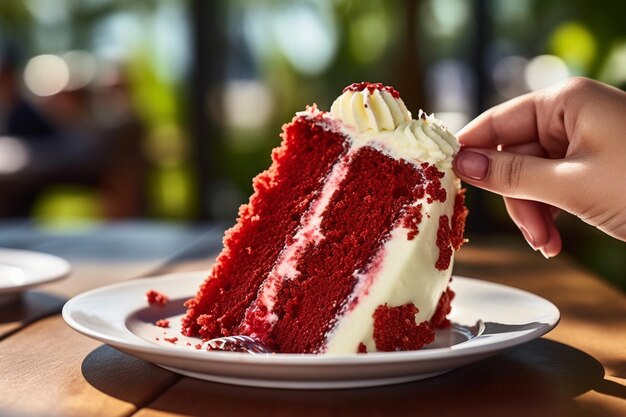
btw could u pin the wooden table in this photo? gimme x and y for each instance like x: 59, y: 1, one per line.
x: 47, y: 369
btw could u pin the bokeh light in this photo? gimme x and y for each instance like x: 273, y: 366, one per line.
x: 446, y: 17
x: 46, y: 75
x: 545, y: 70
x: 614, y: 69
x: 306, y: 34
x: 369, y: 36
x: 14, y: 155
x: 48, y: 12
x: 248, y: 104
x: 508, y: 76
x: 449, y: 84
x: 82, y: 69
x: 575, y: 44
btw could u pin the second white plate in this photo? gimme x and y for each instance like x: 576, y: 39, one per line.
x: 486, y: 317
x: 22, y: 269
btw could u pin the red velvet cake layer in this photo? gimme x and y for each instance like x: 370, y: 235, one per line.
x: 358, y: 221
x: 251, y: 247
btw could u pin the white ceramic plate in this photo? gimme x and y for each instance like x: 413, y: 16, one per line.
x: 21, y: 269
x: 487, y: 318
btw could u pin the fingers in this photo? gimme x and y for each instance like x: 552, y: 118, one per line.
x: 551, y: 117
x: 510, y: 123
x: 511, y: 175
x: 547, y: 117
x: 532, y: 184
x: 530, y: 217
x: 556, y: 146
x: 554, y: 245
x: 536, y: 224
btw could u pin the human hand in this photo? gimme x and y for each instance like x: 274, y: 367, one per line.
x: 563, y: 147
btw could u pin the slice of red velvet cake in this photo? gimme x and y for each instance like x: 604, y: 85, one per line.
x: 347, y: 243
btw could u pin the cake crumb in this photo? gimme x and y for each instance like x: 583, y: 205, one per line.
x: 163, y: 323
x: 362, y: 348
x: 158, y: 298
x: 172, y: 340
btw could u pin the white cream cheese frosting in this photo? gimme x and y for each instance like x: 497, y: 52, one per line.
x: 377, y: 118
x: 375, y: 110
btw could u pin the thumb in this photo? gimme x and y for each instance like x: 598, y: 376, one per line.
x: 510, y: 174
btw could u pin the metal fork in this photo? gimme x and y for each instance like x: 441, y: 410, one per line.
x: 245, y: 344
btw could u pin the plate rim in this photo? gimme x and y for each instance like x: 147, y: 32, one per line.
x: 65, y: 269
x: 137, y: 344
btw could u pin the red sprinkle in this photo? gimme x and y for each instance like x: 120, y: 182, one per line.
x: 395, y: 329
x: 362, y: 348
x: 155, y: 297
x: 171, y: 339
x: 371, y: 87
x: 163, y: 323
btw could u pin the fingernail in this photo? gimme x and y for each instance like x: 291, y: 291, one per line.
x: 528, y: 237
x: 472, y: 165
x: 545, y: 255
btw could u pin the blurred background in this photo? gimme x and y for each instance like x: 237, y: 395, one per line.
x: 166, y: 109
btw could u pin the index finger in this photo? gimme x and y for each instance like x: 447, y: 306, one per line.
x: 513, y: 122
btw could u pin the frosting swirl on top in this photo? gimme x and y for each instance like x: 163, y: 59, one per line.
x: 426, y: 139
x: 423, y: 140
x: 373, y: 107
x: 381, y: 120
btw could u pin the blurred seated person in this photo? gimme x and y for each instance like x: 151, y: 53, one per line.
x: 59, y: 140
